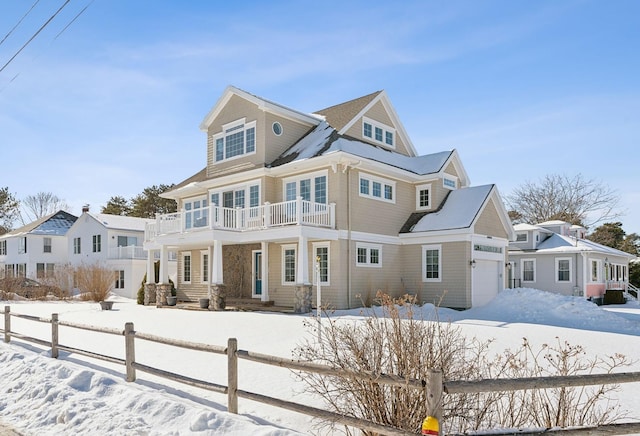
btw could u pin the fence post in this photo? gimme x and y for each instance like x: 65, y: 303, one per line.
x: 54, y: 335
x: 129, y: 350
x: 7, y: 324
x: 232, y: 375
x: 434, y: 394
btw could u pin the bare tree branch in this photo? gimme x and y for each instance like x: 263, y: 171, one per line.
x: 577, y: 200
x: 40, y: 205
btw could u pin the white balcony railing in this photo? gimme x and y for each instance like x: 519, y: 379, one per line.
x: 293, y: 212
x: 130, y: 252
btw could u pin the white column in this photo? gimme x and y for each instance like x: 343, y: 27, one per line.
x: 264, y: 246
x: 151, y: 278
x: 303, y: 262
x: 216, y: 273
x: 163, y: 265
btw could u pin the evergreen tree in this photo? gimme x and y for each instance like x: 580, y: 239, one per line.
x: 117, y: 205
x: 9, y: 210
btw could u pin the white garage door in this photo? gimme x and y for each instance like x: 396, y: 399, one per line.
x: 486, y: 282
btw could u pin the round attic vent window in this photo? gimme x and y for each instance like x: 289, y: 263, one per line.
x: 277, y: 128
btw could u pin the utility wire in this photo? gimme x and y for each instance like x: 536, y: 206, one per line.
x: 74, y: 19
x: 34, y: 35
x: 20, y: 21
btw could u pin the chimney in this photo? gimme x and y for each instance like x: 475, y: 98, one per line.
x: 85, y: 208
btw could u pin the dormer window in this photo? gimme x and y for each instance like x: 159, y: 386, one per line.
x: 449, y: 182
x: 236, y: 139
x: 378, y: 132
x: 522, y: 237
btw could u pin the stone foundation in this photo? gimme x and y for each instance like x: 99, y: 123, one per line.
x: 162, y: 290
x: 217, y: 297
x: 149, y: 293
x: 302, y: 299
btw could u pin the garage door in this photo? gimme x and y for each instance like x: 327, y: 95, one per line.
x: 486, y: 282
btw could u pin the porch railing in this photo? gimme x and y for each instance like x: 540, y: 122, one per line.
x: 293, y: 212
x: 616, y: 285
x: 130, y: 252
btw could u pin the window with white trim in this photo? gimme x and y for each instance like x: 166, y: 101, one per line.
x: 595, y: 270
x: 3, y: 248
x: 563, y: 269
x: 378, y: 132
x: 288, y: 264
x: 196, y: 213
x: 311, y: 187
x: 46, y: 245
x: 321, y: 255
x: 186, y: 267
x: 204, y: 265
x: 423, y: 197
x: 22, y: 245
x: 528, y: 270
x: 377, y: 188
x: 44, y: 270
x: 97, y: 243
x: 368, y: 255
x: 450, y: 182
x: 431, y: 263
x: 119, y: 279
x: 76, y: 246
x: 522, y: 237
x: 127, y: 241
x: 237, y: 138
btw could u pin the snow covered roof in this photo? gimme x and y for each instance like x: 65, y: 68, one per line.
x: 525, y: 227
x: 568, y: 244
x: 55, y: 224
x: 324, y: 140
x: 119, y: 222
x: 459, y: 210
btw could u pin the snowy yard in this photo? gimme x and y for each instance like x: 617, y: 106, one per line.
x: 78, y: 395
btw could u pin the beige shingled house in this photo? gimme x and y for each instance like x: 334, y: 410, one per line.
x: 337, y: 200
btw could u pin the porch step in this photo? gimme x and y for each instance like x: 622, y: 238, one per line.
x: 248, y: 302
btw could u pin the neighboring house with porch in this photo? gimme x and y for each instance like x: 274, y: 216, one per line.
x: 37, y: 249
x: 115, y: 242
x: 555, y: 256
x: 338, y: 198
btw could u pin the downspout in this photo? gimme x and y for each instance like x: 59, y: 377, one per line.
x: 349, y: 305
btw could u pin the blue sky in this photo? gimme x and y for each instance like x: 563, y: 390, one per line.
x: 521, y: 89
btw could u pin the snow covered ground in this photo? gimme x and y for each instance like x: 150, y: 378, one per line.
x: 74, y: 395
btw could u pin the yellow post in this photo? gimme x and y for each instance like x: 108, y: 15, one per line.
x: 430, y: 426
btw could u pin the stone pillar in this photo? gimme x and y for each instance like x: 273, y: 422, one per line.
x: 217, y: 297
x: 302, y: 299
x: 149, y: 293
x: 162, y: 290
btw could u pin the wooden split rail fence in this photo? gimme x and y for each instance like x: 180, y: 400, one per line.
x: 435, y: 387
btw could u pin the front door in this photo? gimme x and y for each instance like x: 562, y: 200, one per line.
x: 257, y: 273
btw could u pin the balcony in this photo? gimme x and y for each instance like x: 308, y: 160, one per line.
x: 288, y: 213
x: 135, y: 252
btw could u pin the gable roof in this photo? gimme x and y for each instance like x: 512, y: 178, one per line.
x: 557, y: 243
x: 262, y: 103
x: 119, y: 222
x: 324, y: 140
x: 459, y: 211
x: 340, y: 114
x: 56, y: 224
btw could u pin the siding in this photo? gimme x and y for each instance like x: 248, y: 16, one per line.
x: 292, y: 131
x: 489, y: 222
x: 381, y: 217
x: 235, y: 109
x: 454, y: 289
x: 378, y: 113
x: 451, y: 169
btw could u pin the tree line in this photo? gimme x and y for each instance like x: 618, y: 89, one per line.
x: 33, y: 207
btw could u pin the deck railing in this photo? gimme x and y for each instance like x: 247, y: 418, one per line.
x: 293, y: 212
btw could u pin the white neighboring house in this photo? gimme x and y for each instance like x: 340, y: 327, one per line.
x: 555, y: 256
x: 36, y: 249
x: 116, y: 242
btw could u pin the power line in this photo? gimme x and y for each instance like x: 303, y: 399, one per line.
x: 20, y: 21
x: 34, y: 35
x: 72, y: 20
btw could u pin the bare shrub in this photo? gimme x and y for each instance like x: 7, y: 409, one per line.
x: 394, y: 341
x: 95, y: 281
